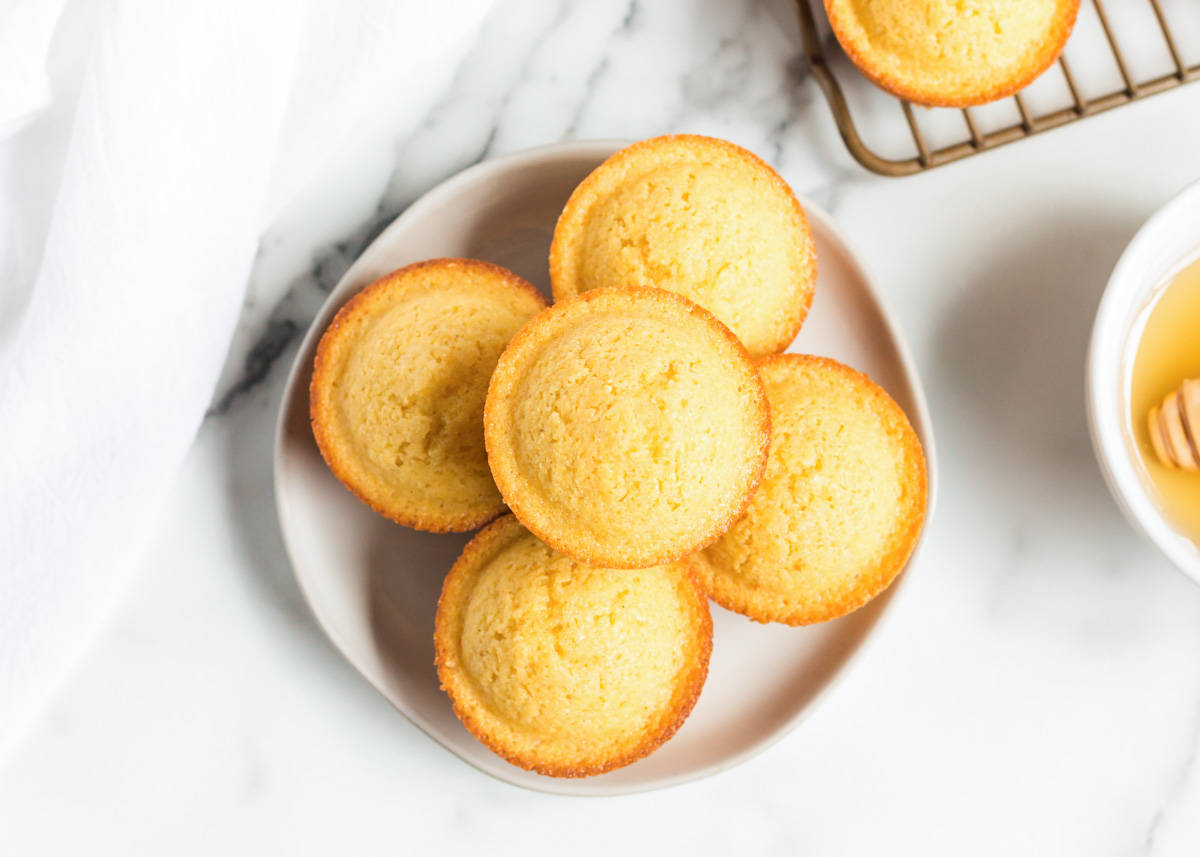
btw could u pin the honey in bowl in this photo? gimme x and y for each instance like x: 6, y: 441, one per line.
x: 1168, y: 354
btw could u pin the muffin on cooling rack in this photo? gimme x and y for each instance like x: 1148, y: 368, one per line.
x: 626, y: 427
x: 563, y: 668
x: 700, y: 217
x: 399, y: 384
x: 952, y: 54
x: 841, y: 505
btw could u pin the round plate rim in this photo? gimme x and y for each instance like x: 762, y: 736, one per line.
x: 601, y: 149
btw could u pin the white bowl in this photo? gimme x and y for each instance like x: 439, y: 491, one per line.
x: 373, y: 585
x: 1167, y: 241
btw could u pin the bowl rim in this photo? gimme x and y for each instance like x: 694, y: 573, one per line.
x: 919, y: 417
x: 1112, y: 331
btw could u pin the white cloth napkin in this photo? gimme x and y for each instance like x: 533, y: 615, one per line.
x: 144, y: 146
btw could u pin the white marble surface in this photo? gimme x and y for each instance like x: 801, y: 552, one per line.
x: 1036, y: 692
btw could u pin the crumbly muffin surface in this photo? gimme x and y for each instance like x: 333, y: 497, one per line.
x: 839, y: 509
x: 952, y: 52
x: 399, y: 385
x: 565, y: 668
x: 698, y: 216
x: 626, y: 427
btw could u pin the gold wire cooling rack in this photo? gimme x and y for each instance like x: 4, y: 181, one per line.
x: 819, y: 51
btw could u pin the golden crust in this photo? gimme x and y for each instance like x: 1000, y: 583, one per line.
x: 570, y: 223
x: 455, y: 590
x: 322, y: 409
x: 965, y: 93
x: 733, y: 593
x: 517, y: 494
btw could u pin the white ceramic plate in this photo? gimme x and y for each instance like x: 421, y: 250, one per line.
x: 373, y: 585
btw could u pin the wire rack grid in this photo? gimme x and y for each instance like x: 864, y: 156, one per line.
x: 927, y: 155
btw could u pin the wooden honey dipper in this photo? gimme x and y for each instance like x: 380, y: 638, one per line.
x: 1175, y: 427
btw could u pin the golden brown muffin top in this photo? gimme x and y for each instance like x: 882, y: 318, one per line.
x: 700, y: 217
x: 841, y: 505
x: 626, y: 427
x: 564, y: 668
x: 399, y: 384
x: 952, y: 53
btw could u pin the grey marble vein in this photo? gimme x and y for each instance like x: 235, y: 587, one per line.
x: 259, y: 360
x: 288, y: 317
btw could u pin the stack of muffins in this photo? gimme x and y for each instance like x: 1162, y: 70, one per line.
x: 652, y: 447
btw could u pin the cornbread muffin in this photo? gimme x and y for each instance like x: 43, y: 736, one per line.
x: 841, y: 505
x: 567, y: 669
x: 700, y: 217
x: 952, y: 53
x: 626, y: 427
x: 398, y: 389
